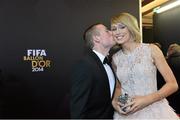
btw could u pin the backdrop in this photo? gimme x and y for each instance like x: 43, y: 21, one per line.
x: 40, y: 41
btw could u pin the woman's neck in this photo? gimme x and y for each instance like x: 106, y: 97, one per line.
x: 129, y: 47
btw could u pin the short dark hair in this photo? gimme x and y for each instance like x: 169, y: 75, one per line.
x: 89, y: 33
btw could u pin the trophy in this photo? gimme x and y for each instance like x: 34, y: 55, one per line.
x: 124, y: 99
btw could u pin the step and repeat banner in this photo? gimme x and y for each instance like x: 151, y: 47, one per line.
x: 40, y: 42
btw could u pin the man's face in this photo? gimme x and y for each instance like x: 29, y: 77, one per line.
x: 106, y: 37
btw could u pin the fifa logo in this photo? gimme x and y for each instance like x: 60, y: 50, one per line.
x: 37, y: 58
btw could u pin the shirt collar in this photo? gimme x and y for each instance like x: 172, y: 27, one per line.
x: 101, y: 56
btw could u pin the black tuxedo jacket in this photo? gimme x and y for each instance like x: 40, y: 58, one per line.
x: 90, y: 90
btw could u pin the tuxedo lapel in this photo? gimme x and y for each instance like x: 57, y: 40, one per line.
x: 100, y: 65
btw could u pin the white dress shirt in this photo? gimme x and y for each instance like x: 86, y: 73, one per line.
x: 109, y: 72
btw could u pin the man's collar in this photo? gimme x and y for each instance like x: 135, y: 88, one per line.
x: 101, y: 56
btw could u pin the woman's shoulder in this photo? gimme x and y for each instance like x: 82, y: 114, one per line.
x: 154, y: 48
x: 150, y: 46
x: 155, y: 51
x: 146, y: 44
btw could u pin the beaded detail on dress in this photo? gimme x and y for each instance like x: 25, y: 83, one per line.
x: 136, y: 71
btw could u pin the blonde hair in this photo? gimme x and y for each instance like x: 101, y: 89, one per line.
x: 131, y: 23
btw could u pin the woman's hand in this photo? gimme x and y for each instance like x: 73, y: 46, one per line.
x: 138, y: 103
x: 117, y: 106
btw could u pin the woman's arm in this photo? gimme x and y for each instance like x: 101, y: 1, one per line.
x: 170, y: 85
x: 167, y: 89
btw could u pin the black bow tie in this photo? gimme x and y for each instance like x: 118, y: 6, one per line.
x: 106, y: 61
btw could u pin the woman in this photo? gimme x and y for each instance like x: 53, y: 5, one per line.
x: 135, y: 66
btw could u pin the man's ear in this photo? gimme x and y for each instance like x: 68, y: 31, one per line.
x: 96, y: 38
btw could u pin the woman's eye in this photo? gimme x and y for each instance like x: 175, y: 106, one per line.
x: 121, y: 26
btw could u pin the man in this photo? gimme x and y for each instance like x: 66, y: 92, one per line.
x: 173, y: 60
x: 92, y: 81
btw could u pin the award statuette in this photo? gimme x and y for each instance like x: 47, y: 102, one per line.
x: 124, y: 99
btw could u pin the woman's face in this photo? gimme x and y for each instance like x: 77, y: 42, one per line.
x: 121, y: 33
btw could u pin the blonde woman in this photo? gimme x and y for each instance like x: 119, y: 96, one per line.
x: 135, y: 66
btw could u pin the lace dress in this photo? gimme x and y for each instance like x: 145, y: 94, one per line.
x: 137, y: 75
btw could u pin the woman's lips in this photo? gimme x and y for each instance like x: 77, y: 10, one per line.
x: 119, y: 37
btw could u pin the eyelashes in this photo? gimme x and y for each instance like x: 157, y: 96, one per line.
x: 120, y: 26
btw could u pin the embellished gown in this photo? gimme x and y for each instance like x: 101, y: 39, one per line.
x: 137, y: 75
